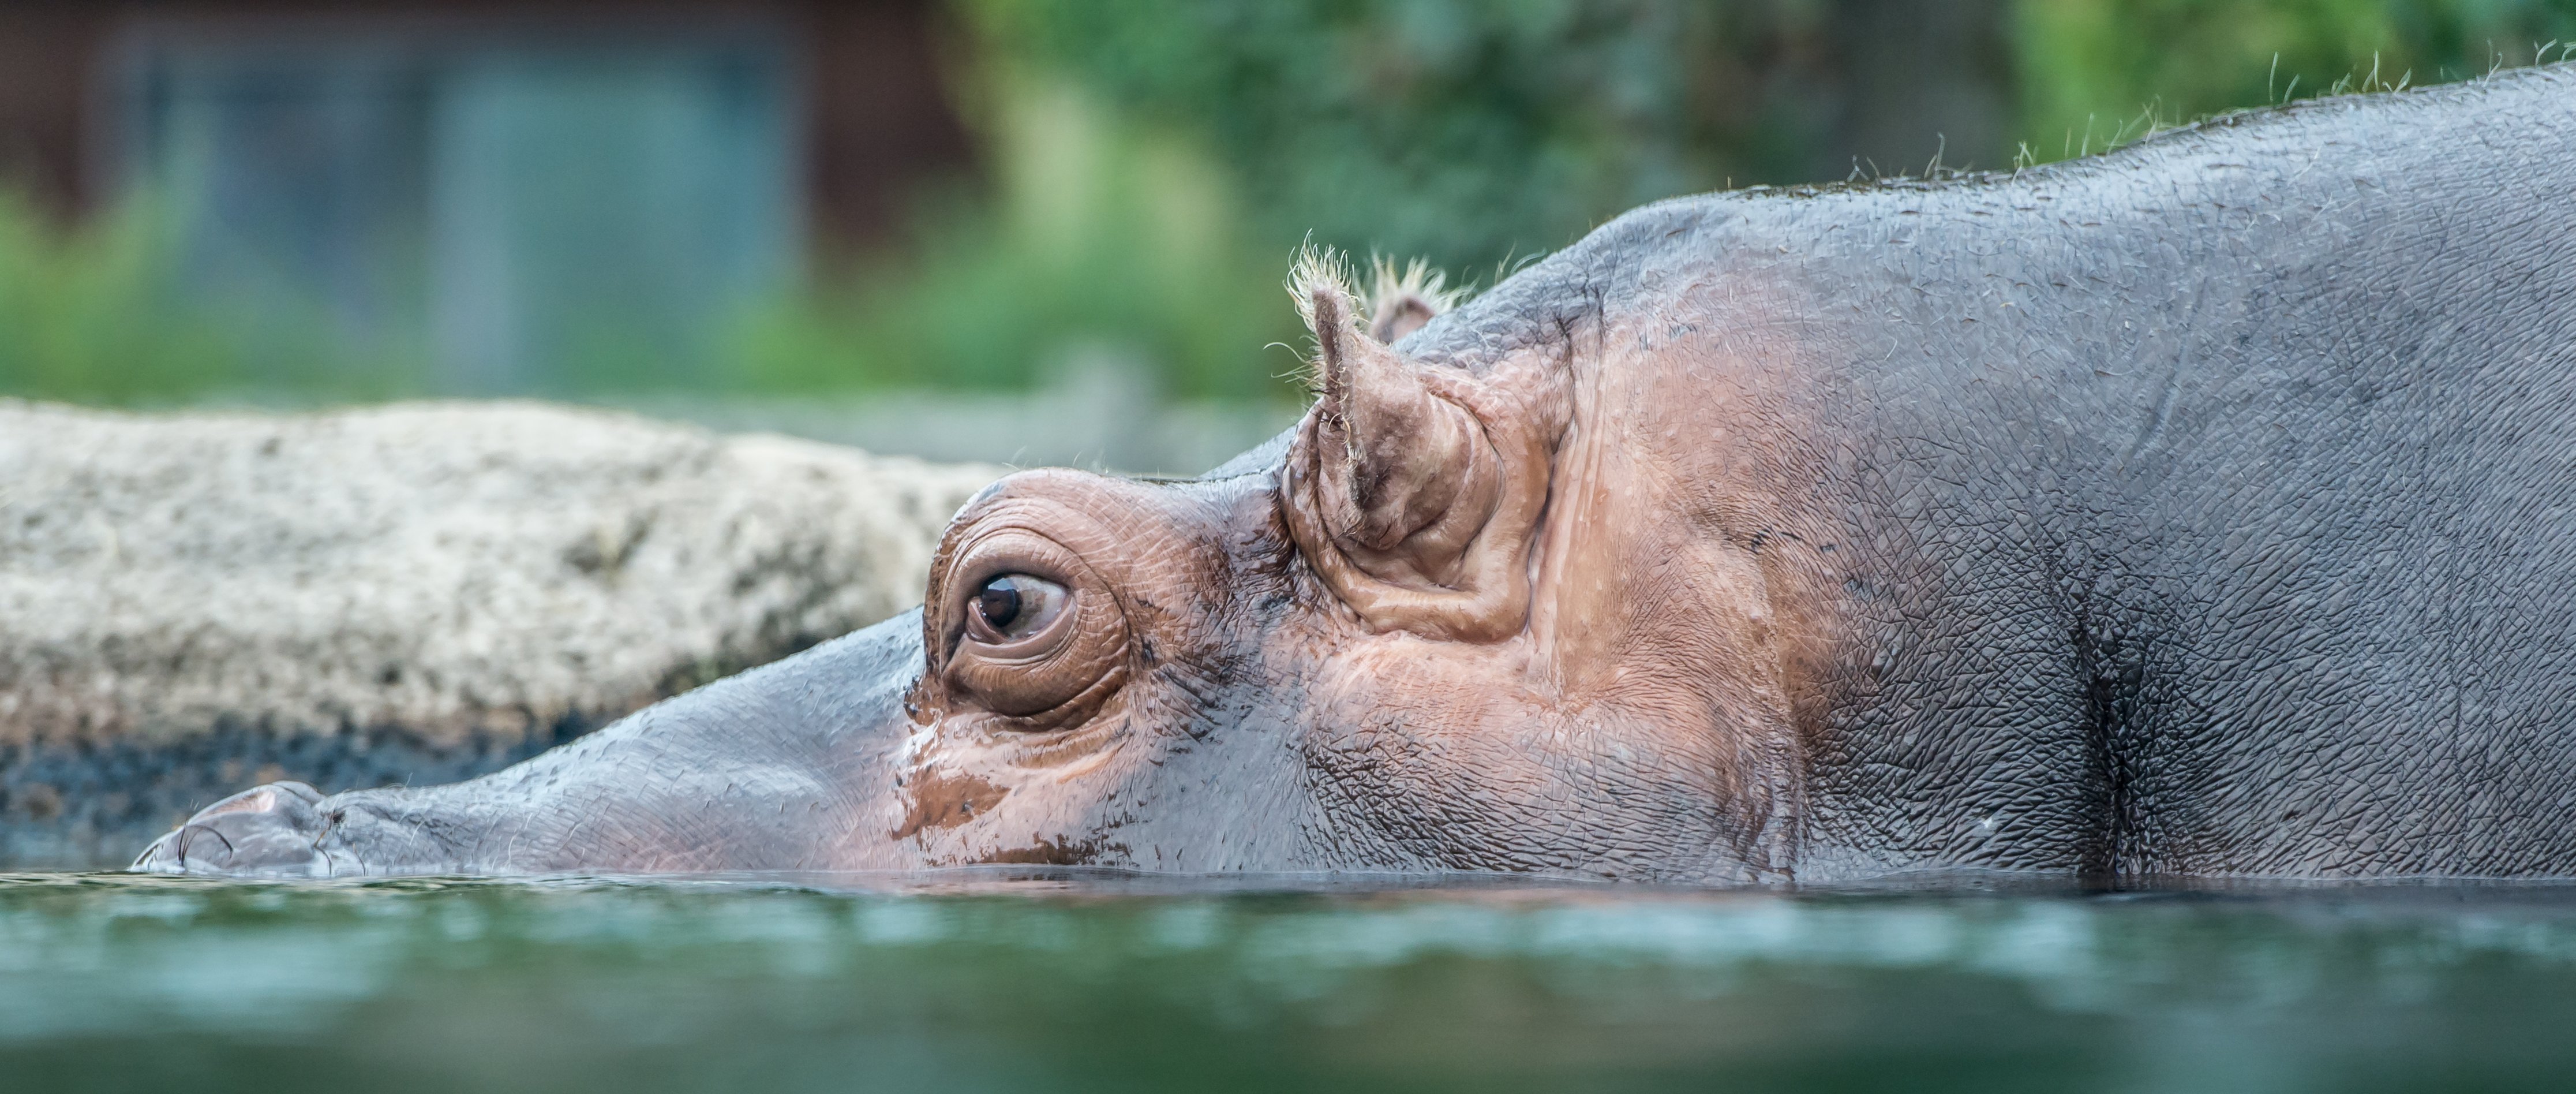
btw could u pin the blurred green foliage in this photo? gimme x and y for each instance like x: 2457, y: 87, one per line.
x: 1092, y: 235
x: 1468, y: 132
x: 1152, y: 164
x: 91, y: 312
x: 1460, y: 131
x: 2109, y: 69
x: 88, y: 314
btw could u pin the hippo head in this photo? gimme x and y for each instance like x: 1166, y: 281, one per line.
x: 1419, y: 632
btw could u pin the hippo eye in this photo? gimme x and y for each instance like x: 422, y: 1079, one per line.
x: 1041, y: 651
x: 1011, y: 607
x: 998, y: 603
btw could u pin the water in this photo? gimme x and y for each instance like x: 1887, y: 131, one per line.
x: 1045, y: 982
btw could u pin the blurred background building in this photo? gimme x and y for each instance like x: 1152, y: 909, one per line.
x: 1040, y: 230
x: 520, y: 197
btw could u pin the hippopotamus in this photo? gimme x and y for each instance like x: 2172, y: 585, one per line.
x: 2203, y: 508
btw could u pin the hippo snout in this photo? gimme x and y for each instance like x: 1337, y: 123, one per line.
x: 289, y: 829
x: 771, y: 769
x: 271, y: 830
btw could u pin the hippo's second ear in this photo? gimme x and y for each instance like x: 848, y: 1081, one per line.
x: 1414, y: 491
x: 1398, y: 316
x: 1402, y: 301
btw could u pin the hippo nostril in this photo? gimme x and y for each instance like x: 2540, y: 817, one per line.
x: 191, y: 831
x: 151, y: 860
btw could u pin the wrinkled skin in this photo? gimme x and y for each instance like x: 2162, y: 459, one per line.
x: 2208, y: 507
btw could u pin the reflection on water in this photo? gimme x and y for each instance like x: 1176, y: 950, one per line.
x: 1065, y: 982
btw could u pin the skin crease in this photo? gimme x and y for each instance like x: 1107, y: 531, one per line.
x: 2203, y: 508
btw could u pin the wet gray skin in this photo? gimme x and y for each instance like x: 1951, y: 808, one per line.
x: 2201, y: 508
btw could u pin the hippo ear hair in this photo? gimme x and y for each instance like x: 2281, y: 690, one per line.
x: 1403, y: 301
x: 1412, y: 490
x: 1400, y: 300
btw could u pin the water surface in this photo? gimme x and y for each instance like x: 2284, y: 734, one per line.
x: 1046, y: 982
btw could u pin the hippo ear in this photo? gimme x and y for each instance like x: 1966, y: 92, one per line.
x: 1399, y: 316
x: 1414, y: 490
x: 1403, y: 301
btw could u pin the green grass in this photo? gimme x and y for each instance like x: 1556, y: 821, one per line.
x: 93, y: 313
x: 88, y: 314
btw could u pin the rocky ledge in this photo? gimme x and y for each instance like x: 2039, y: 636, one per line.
x: 191, y: 603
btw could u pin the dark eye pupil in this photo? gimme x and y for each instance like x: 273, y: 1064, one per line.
x: 998, y: 602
